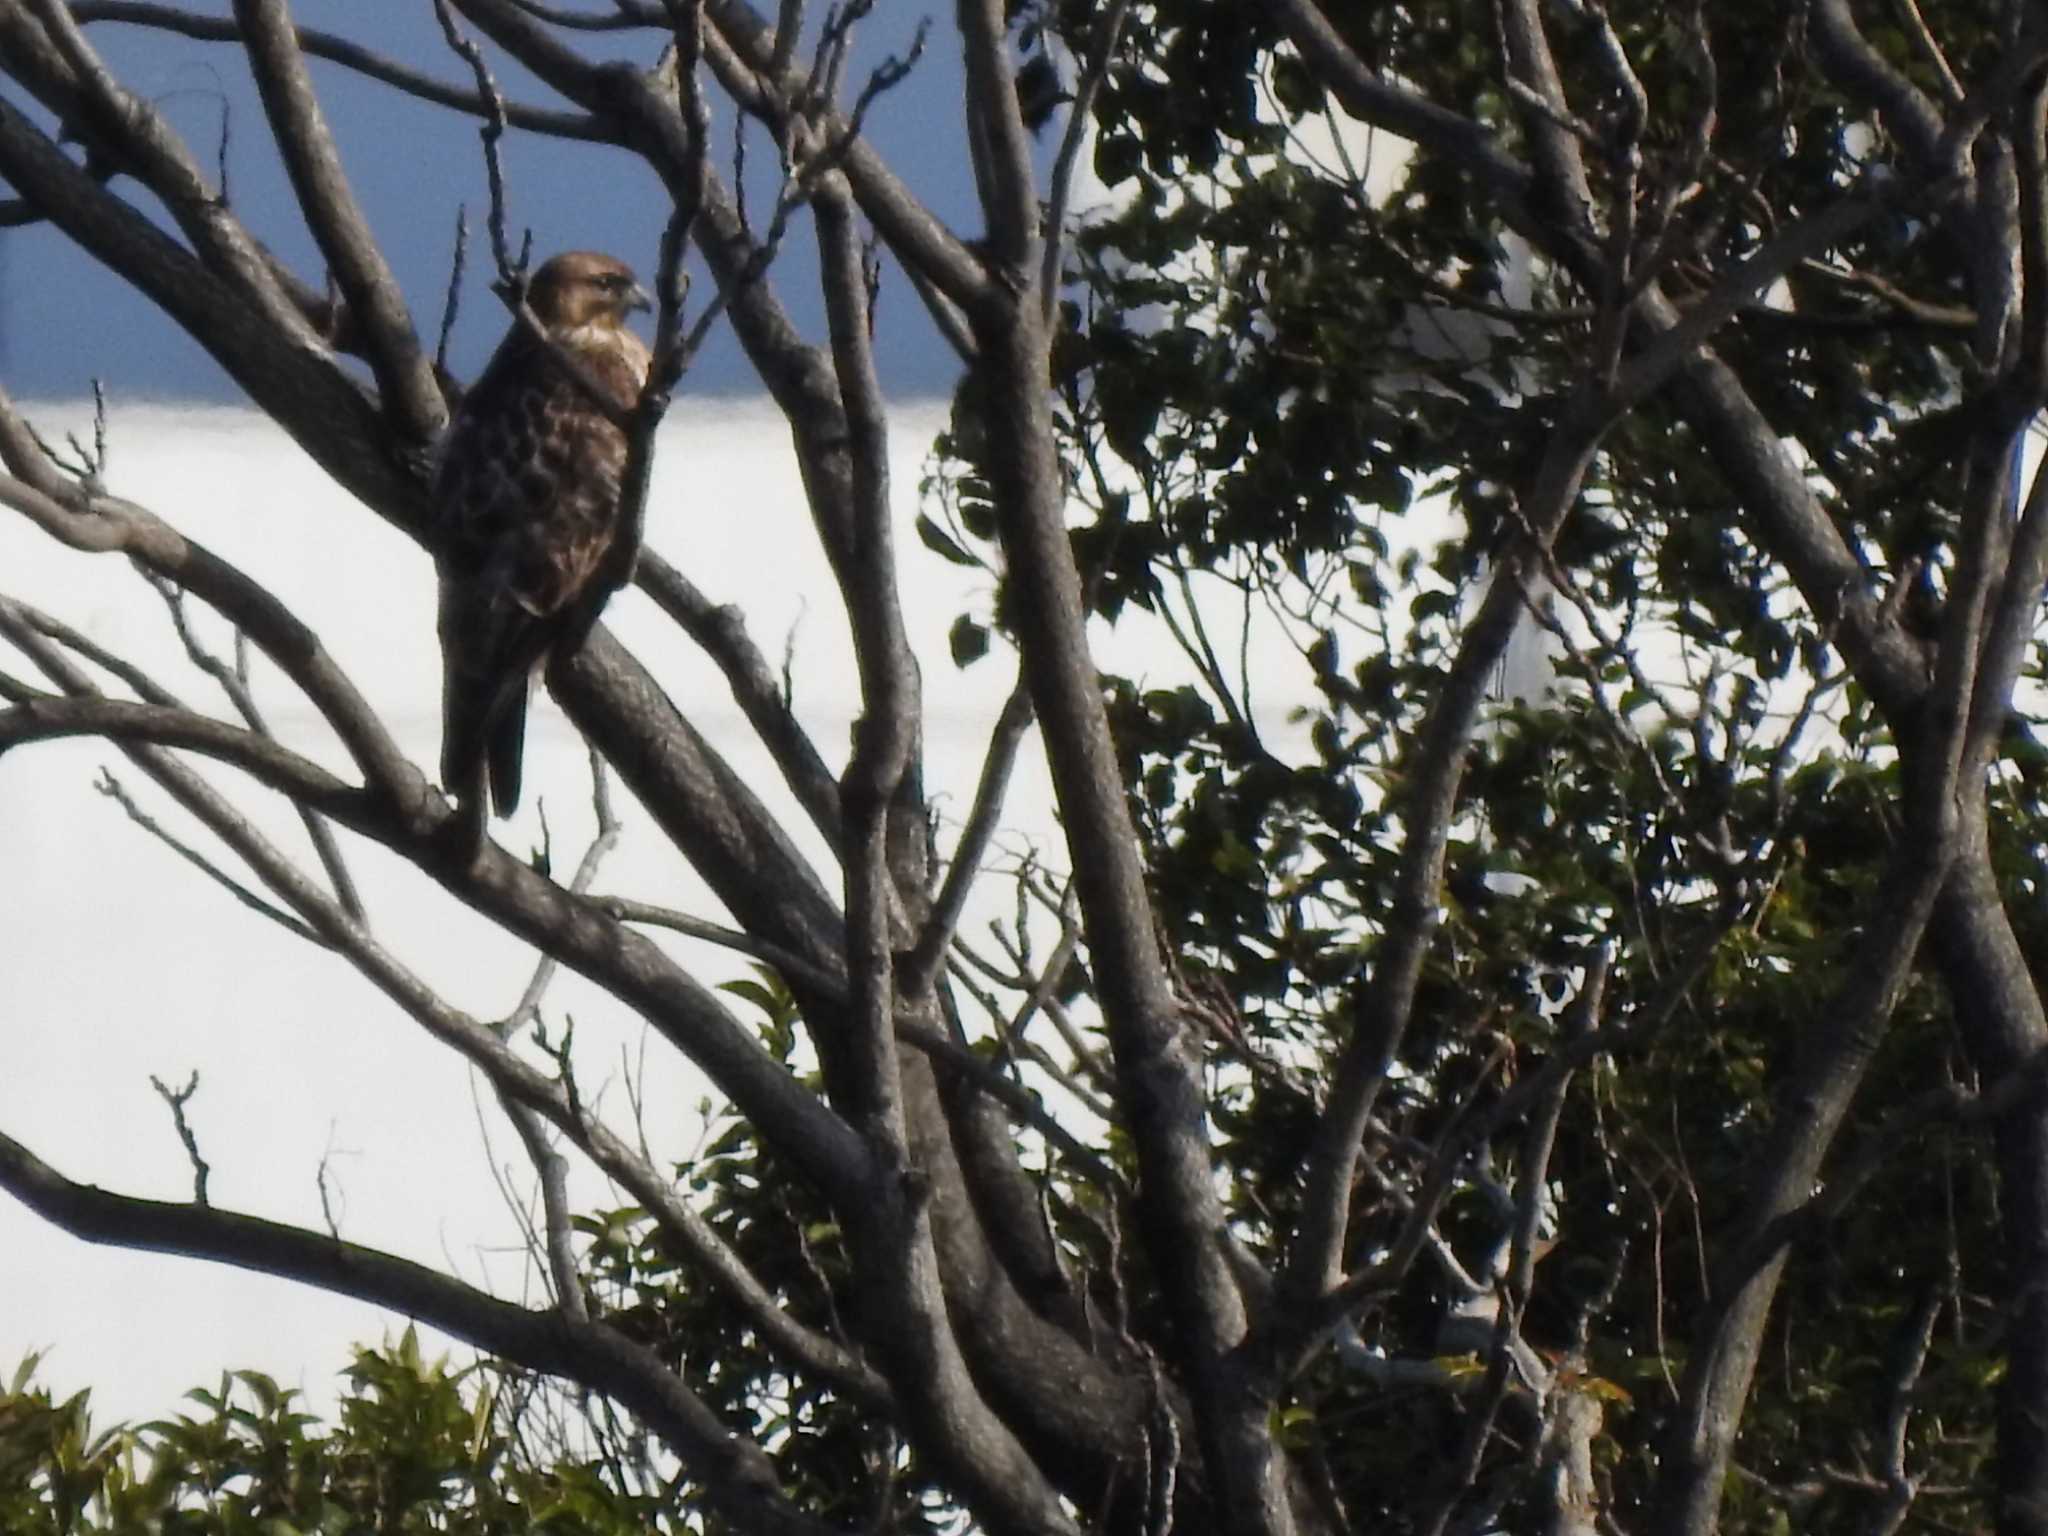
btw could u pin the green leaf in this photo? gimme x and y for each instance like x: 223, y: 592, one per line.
x: 968, y: 641
x: 752, y: 992
x: 942, y: 543
x: 1117, y: 158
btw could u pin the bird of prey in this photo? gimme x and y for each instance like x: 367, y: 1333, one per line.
x: 527, y: 505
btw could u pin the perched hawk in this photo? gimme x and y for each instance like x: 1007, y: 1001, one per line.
x: 527, y: 505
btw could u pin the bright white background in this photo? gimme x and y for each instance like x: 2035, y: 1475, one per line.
x: 118, y: 960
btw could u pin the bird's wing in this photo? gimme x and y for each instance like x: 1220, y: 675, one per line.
x: 527, y: 496
x: 495, y: 486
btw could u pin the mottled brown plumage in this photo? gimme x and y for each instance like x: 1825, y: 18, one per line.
x: 527, y: 500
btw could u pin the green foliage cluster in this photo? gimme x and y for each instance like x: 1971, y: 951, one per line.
x: 417, y: 1447
x: 825, y: 1448
x: 1313, y: 385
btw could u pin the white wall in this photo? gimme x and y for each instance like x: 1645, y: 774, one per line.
x: 118, y: 960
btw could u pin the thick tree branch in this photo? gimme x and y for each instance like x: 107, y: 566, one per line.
x: 284, y: 368
x: 921, y: 967
x: 735, y: 1474
x: 885, y: 737
x: 900, y: 1275
x: 98, y: 523
x: 1843, y: 1038
x: 1547, y: 118
x: 352, y: 56
x: 721, y: 633
x: 1003, y: 165
x: 1157, y: 1073
x: 702, y: 805
x: 1860, y: 69
x: 60, y: 67
x: 273, y: 766
x: 1432, y: 128
x: 1432, y: 773
x: 404, y: 375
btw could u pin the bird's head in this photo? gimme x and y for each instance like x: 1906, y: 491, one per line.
x: 581, y: 288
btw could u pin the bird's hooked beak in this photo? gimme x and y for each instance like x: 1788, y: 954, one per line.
x: 638, y: 299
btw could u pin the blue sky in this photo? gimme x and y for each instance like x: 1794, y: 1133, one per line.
x: 65, y: 321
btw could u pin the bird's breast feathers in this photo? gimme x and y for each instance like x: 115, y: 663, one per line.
x: 530, y: 474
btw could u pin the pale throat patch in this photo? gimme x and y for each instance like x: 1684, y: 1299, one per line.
x: 607, y: 338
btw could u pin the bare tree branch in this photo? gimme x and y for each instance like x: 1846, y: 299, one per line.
x: 404, y: 376
x: 921, y: 966
x: 350, y: 55
x: 233, y: 681
x: 924, y: 1360
x: 103, y: 524
x: 68, y: 77
x: 1157, y: 1076
x: 177, y: 1099
x: 280, y: 362
x: 50, y: 719
x: 735, y: 1473
x: 1108, y: 30
x: 721, y: 632
x: 114, y: 790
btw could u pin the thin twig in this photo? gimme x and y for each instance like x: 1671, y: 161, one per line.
x: 327, y: 1188
x: 349, y: 55
x: 1930, y: 50
x: 234, y: 682
x: 948, y: 1053
x: 556, y: 1216
x: 805, y: 163
x: 453, y: 301
x: 1108, y: 32
x: 602, y: 842
x: 491, y: 133
x: 921, y: 967
x: 515, y: 271
x: 793, y: 966
x: 143, y: 685
x: 1094, y: 1103
x: 178, y: 1099
x: 114, y: 790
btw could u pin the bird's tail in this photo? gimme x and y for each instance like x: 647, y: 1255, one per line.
x: 508, y: 749
x: 482, y: 723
